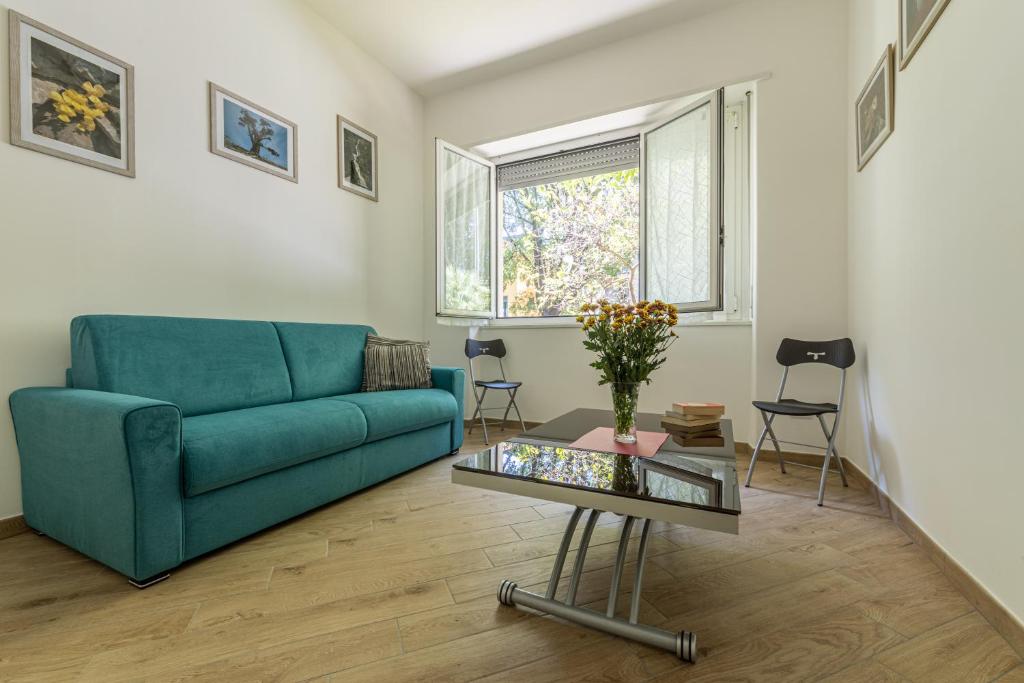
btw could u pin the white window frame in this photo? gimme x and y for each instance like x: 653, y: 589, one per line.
x: 439, y: 177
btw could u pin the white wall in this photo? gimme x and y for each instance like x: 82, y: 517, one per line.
x: 195, y: 234
x: 801, y: 212
x: 935, y: 240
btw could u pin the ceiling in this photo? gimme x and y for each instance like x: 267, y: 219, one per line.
x: 440, y: 45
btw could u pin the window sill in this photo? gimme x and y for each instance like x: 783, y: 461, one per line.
x: 561, y: 323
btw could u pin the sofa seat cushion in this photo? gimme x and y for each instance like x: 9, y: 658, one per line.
x: 404, y: 410
x: 221, y: 449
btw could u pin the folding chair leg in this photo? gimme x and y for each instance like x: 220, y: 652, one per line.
x: 768, y: 424
x: 504, y: 418
x: 753, y: 458
x: 483, y: 420
x: 839, y: 460
x: 842, y: 470
x: 512, y: 404
x: 824, y: 468
x: 472, y: 420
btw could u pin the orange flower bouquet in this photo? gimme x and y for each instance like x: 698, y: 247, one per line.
x: 630, y: 342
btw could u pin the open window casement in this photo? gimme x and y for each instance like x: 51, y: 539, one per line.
x: 466, y: 258
x: 681, y: 207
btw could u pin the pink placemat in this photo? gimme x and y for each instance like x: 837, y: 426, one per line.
x: 603, y: 439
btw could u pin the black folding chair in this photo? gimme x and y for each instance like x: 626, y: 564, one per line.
x: 838, y: 353
x: 494, y: 348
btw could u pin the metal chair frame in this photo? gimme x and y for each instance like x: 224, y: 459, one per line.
x: 830, y: 435
x: 495, y: 349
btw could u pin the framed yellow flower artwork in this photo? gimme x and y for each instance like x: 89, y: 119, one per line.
x: 70, y: 100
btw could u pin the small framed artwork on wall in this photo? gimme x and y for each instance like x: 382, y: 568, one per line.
x: 357, y: 159
x: 245, y: 132
x: 874, y: 109
x: 70, y: 100
x: 916, y: 19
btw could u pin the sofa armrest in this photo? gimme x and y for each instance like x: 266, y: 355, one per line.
x: 453, y: 380
x: 101, y: 472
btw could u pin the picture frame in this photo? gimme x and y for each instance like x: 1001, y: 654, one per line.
x: 917, y: 17
x: 357, y: 159
x: 243, y: 131
x: 68, y: 99
x: 875, y: 109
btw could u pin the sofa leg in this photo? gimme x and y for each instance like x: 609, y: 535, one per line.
x: 146, y: 583
x: 37, y: 532
x: 454, y: 451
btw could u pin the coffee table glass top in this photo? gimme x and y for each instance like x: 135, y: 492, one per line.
x: 686, y: 480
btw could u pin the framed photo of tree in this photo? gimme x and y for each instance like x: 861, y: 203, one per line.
x: 916, y: 19
x: 70, y: 100
x: 245, y: 132
x: 357, y: 159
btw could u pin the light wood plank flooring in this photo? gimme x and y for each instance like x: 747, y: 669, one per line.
x: 398, y: 583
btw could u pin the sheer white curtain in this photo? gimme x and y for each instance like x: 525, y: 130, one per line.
x: 465, y: 199
x: 678, y: 209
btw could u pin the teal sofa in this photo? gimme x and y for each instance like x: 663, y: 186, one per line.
x: 176, y: 436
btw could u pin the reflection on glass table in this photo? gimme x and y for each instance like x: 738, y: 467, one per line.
x: 691, y: 481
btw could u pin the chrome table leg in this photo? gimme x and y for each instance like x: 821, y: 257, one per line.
x: 682, y: 643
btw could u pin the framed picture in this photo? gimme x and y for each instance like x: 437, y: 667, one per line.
x: 916, y: 19
x: 874, y: 109
x: 70, y: 100
x: 357, y: 159
x: 245, y: 132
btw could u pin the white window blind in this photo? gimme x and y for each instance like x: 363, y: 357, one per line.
x: 577, y: 163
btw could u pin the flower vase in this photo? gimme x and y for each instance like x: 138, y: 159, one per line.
x: 624, y: 398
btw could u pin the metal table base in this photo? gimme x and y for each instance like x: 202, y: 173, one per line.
x: 682, y: 643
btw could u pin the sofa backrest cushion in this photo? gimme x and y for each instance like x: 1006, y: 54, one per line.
x: 323, y: 360
x: 201, y: 365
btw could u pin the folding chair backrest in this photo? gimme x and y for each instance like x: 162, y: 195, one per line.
x: 490, y: 347
x: 838, y: 353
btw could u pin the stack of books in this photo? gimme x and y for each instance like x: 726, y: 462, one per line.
x: 695, y: 425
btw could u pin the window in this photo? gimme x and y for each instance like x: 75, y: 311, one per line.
x: 465, y: 233
x: 569, y: 230
x: 635, y: 218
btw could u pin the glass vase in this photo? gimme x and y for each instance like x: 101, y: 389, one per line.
x: 624, y: 398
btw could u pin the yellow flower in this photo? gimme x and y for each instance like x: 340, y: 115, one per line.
x: 64, y: 118
x: 579, y: 318
x: 55, y: 96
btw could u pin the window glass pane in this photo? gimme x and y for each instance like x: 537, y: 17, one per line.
x: 678, y: 210
x: 467, y: 234
x: 569, y: 242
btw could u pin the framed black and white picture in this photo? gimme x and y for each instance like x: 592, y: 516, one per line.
x: 245, y: 132
x: 916, y: 19
x: 70, y: 100
x: 357, y: 159
x: 874, y: 109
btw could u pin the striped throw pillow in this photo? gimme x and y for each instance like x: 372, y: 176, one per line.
x: 395, y: 364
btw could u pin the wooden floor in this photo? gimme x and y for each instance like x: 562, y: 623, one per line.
x: 398, y: 583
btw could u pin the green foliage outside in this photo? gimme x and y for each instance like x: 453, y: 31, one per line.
x: 570, y: 242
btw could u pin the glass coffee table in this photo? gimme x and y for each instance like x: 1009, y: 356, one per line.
x: 692, y: 486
